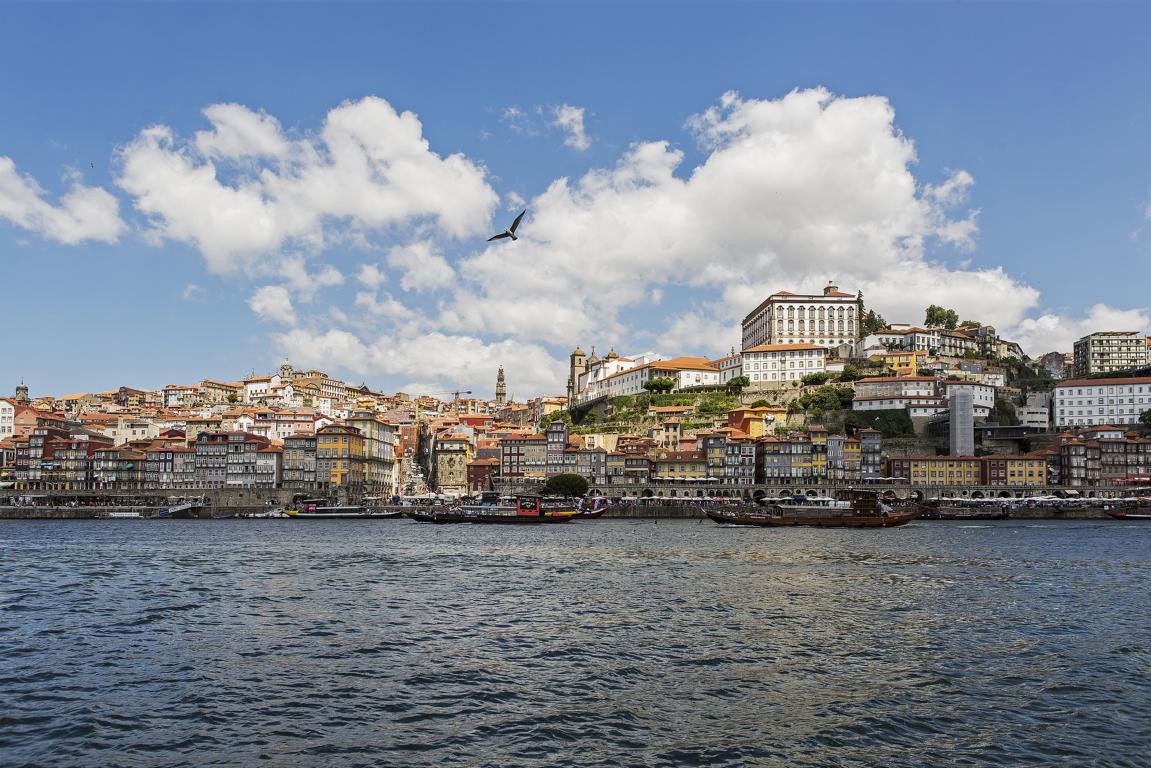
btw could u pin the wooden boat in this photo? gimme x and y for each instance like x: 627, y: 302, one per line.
x: 854, y: 509
x: 521, y: 510
x: 1121, y: 513
x: 1129, y: 508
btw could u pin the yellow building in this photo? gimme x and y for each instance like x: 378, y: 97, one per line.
x: 904, y: 362
x: 340, y: 458
x: 944, y: 470
x: 679, y: 465
x: 818, y: 465
x: 1014, y: 471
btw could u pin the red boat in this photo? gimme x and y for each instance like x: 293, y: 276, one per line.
x: 853, y: 509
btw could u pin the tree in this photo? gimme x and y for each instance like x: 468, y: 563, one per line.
x: 567, y: 484
x: 971, y: 324
x: 1145, y: 418
x: 564, y: 416
x: 1005, y: 413
x: 761, y: 404
x: 737, y: 384
x: 659, y: 384
x: 850, y: 373
x: 819, y: 377
x: 871, y: 323
x: 233, y: 397
x: 938, y: 317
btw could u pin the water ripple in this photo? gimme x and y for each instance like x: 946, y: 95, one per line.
x: 605, y: 643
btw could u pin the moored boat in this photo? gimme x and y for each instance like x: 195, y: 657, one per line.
x: 853, y: 509
x: 964, y: 509
x: 519, y: 510
x: 180, y: 508
x: 326, y: 509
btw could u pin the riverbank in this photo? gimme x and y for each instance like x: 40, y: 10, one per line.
x: 647, y: 511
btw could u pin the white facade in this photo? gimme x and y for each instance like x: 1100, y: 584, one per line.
x: 730, y: 367
x: 829, y: 320
x: 982, y: 395
x: 686, y: 371
x: 178, y: 396
x: 916, y: 405
x: 769, y: 363
x: 7, y: 419
x: 1034, y: 416
x: 896, y: 386
x: 1095, y: 402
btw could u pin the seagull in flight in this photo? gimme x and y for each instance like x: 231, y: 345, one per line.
x: 510, y: 231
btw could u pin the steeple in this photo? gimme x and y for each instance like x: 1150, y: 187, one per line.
x: 22, y: 393
x: 501, y: 387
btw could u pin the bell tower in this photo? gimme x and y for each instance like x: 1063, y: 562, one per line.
x: 501, y: 387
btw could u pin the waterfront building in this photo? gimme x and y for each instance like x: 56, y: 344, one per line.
x: 775, y: 363
x: 482, y: 473
x: 1013, y: 471
x: 936, y: 470
x: 523, y: 456
x: 299, y: 462
x: 829, y: 320
x: 453, y: 452
x: 230, y: 460
x: 380, y: 473
x: 870, y: 453
x: 679, y: 465
x: 557, y: 440
x: 1109, y: 352
x: 1096, y: 402
x: 340, y: 459
x: 118, y: 469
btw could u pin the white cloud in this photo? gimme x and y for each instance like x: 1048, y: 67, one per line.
x: 193, y: 292
x: 273, y: 302
x: 1053, y: 332
x: 305, y: 283
x: 83, y: 213
x: 370, y: 276
x: 239, y: 132
x: 422, y: 266
x: 449, y: 360
x: 570, y: 120
x: 793, y: 191
x: 243, y: 190
x: 515, y: 202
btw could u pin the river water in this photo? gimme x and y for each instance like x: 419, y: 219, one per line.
x: 599, y: 643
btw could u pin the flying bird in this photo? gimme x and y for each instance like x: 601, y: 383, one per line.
x: 510, y: 231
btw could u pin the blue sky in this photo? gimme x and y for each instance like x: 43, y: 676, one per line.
x: 1011, y: 180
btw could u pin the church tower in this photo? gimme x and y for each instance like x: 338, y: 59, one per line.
x: 501, y: 387
x: 22, y: 393
x: 577, y: 367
